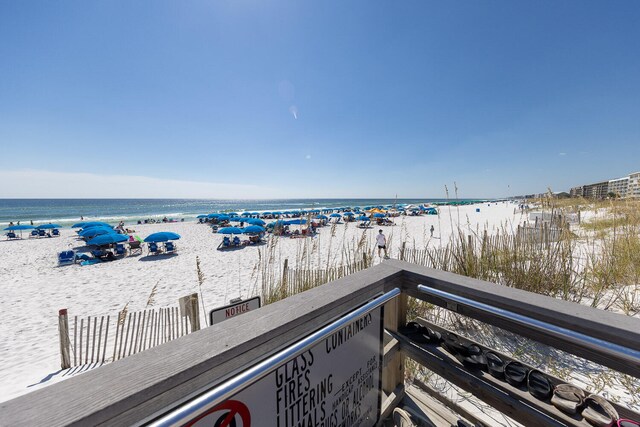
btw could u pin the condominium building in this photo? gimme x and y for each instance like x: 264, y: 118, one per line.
x: 598, y: 190
x: 577, y: 191
x: 619, y: 186
x: 633, y: 188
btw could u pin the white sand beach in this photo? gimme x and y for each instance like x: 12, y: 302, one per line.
x: 35, y: 288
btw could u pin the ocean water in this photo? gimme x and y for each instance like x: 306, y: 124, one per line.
x: 67, y: 211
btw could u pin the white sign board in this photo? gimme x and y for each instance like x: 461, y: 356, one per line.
x: 335, y: 383
x: 221, y: 314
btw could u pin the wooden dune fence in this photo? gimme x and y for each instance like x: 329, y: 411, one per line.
x: 299, y: 280
x: 98, y: 340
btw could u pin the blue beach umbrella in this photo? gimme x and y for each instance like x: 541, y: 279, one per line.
x: 162, y: 236
x: 230, y: 230
x: 95, y: 224
x: 238, y: 219
x: 254, y: 229
x: 232, y: 213
x: 19, y: 227
x: 335, y: 215
x: 79, y: 224
x: 378, y: 215
x: 96, y: 231
x: 107, y: 239
x: 224, y: 218
x: 267, y: 213
x: 348, y: 214
x: 201, y: 216
x: 278, y: 223
x: 276, y: 213
x: 48, y: 226
x: 214, y: 215
x: 296, y: 221
x: 363, y: 218
x: 256, y: 221
x: 321, y: 217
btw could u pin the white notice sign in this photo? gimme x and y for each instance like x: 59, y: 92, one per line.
x: 336, y: 383
x: 218, y: 315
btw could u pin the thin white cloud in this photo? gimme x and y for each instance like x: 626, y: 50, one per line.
x: 562, y: 154
x: 27, y: 183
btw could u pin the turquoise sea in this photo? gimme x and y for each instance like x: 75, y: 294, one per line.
x: 66, y: 211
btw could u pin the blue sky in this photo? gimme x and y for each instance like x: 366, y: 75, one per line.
x: 268, y: 99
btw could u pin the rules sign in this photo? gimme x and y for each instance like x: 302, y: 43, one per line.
x: 335, y: 383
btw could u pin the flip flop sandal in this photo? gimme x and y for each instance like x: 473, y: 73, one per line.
x: 568, y: 398
x: 495, y: 365
x: 454, y: 346
x: 628, y: 423
x: 434, y: 336
x: 599, y: 412
x: 409, y: 328
x: 415, y: 332
x: 402, y: 419
x: 475, y: 359
x: 539, y: 385
x: 515, y: 373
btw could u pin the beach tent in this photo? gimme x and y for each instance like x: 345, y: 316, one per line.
x: 162, y: 236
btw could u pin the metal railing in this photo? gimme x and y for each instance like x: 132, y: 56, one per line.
x: 222, y: 392
x: 595, y: 345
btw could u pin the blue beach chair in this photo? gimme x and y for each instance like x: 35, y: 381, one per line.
x: 55, y: 232
x: 66, y: 258
x: 120, y: 250
x: 34, y: 233
x: 169, y: 247
x: 154, y: 249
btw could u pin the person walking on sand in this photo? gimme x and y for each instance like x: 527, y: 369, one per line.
x: 381, y: 240
x: 431, y: 229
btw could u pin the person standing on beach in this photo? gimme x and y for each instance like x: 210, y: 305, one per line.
x: 381, y: 240
x: 431, y: 229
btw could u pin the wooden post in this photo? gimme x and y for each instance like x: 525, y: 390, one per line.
x: 63, y: 330
x: 194, y: 313
x: 285, y: 272
x: 395, y: 316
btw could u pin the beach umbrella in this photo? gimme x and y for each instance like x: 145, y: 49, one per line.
x: 267, y: 213
x: 162, y: 236
x: 348, y: 214
x: 201, y: 216
x: 107, y: 239
x: 321, y: 217
x: 296, y: 221
x: 278, y: 223
x: 230, y: 230
x: 95, y: 231
x: 224, y: 218
x: 95, y: 224
x: 232, y: 213
x: 237, y: 219
x: 363, y: 218
x: 79, y: 224
x: 256, y: 221
x: 276, y: 213
x: 19, y: 227
x: 245, y: 214
x: 48, y: 226
x: 335, y: 215
x: 214, y: 215
x: 254, y: 229
x: 378, y: 215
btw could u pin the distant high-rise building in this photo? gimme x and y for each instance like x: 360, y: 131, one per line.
x: 598, y: 190
x: 633, y: 188
x: 619, y: 186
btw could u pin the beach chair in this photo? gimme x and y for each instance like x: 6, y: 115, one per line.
x: 154, y: 249
x: 34, y: 233
x: 11, y: 235
x: 169, y: 247
x: 55, y: 232
x: 236, y: 241
x: 41, y: 233
x: 120, y: 250
x: 226, y: 242
x: 66, y: 258
x: 135, y: 247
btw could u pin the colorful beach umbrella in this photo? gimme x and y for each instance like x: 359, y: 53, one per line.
x: 108, y: 239
x: 162, y: 236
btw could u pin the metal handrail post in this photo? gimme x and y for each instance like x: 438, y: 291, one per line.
x: 611, y: 349
x: 222, y: 392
